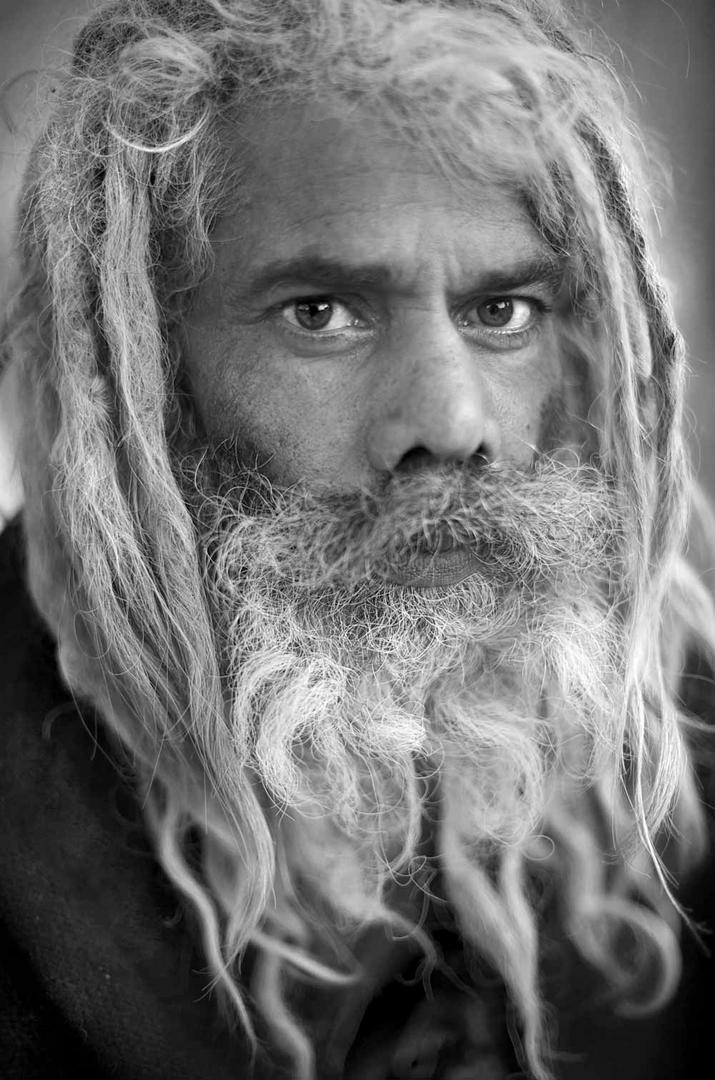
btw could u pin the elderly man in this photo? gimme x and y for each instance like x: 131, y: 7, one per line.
x: 356, y: 496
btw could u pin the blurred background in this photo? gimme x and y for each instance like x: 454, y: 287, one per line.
x: 667, y: 48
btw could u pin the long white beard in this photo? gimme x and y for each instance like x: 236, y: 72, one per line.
x: 361, y: 707
x: 478, y: 730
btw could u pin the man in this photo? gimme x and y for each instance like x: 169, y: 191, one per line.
x: 356, y: 497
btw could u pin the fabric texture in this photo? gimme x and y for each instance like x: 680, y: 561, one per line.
x: 99, y: 974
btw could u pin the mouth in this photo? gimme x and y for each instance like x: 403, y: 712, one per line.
x: 438, y: 569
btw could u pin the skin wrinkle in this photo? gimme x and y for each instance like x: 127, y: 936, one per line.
x: 280, y: 274
x: 355, y: 415
x: 555, y: 424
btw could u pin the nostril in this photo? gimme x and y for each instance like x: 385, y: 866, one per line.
x: 447, y: 417
x: 419, y: 457
x: 416, y: 459
x: 481, y: 456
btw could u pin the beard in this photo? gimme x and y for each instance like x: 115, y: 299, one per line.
x: 368, y: 710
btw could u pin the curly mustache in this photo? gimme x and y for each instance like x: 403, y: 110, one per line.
x: 524, y: 527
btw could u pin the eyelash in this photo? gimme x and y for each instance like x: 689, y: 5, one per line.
x: 506, y: 339
x: 509, y: 338
x: 326, y: 299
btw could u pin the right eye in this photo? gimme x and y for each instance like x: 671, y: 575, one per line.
x: 319, y: 315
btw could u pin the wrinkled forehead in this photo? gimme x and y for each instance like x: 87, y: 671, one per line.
x: 316, y: 183
x: 332, y: 135
x: 319, y: 146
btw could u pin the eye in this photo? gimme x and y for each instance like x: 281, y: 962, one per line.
x: 510, y: 314
x: 317, y: 314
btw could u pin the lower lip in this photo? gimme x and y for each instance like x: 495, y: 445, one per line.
x: 440, y: 570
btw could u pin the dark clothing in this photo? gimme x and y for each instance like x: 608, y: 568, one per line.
x: 99, y: 976
x: 99, y: 973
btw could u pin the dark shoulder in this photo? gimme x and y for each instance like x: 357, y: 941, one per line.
x: 48, y: 740
x: 27, y: 652
x: 105, y: 968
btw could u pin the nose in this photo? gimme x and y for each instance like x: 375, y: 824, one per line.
x: 437, y: 407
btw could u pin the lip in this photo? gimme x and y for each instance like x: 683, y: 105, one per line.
x: 439, y: 569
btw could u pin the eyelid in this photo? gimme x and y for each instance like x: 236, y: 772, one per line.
x: 332, y: 301
x: 535, y: 305
x: 506, y: 337
x: 353, y: 306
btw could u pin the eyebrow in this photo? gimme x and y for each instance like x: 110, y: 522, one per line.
x: 544, y: 268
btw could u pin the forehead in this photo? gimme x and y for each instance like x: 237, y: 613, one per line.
x: 317, y: 184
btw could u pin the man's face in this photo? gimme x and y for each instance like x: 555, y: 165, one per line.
x: 365, y: 316
x: 369, y: 325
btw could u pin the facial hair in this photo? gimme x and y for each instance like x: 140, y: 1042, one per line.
x: 344, y: 691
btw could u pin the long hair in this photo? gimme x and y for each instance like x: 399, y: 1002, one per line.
x: 115, y: 231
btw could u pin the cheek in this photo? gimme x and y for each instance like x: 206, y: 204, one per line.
x: 529, y: 403
x: 291, y: 423
x: 553, y: 422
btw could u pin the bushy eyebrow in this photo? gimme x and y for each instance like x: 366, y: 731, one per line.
x: 317, y: 271
x: 545, y: 269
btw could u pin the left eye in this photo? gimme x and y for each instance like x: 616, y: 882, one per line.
x: 510, y: 314
x: 318, y: 314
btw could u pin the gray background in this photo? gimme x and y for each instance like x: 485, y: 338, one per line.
x: 666, y: 51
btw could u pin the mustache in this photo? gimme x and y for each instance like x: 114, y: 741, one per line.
x: 520, y: 523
